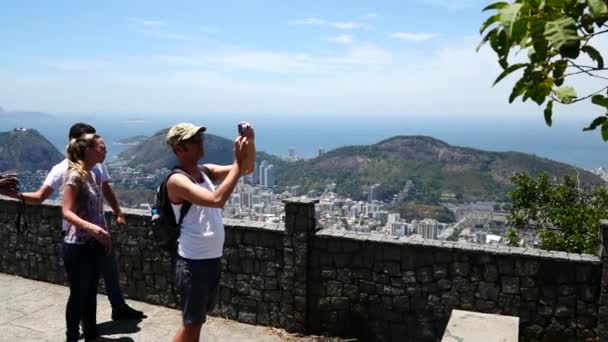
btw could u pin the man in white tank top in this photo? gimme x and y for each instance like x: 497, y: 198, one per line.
x: 201, y: 241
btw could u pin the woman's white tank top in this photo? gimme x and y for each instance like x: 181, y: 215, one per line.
x: 202, y: 230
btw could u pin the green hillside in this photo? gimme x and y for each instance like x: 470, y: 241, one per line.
x: 434, y: 166
x: 153, y: 153
x: 27, y: 150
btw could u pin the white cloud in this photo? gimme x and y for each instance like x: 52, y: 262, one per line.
x: 75, y: 65
x: 322, y: 22
x: 413, y: 36
x: 451, y: 80
x: 345, y: 25
x: 310, y: 21
x: 283, y: 63
x: 155, y: 29
x: 209, y: 29
x: 342, y: 39
x: 147, y: 23
x: 369, y: 16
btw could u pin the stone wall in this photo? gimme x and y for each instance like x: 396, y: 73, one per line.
x: 253, y: 266
x: 340, y: 283
x: 405, y: 290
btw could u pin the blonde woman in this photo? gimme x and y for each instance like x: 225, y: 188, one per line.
x: 87, y: 238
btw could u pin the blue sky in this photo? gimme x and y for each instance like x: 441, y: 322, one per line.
x: 338, y: 57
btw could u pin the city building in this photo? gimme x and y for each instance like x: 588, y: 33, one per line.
x: 375, y: 193
x: 427, y: 228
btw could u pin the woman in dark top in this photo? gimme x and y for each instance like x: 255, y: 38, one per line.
x: 87, y: 238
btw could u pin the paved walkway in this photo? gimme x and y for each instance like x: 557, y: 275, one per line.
x: 35, y: 311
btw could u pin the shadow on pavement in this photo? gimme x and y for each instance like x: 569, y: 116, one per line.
x: 119, y: 327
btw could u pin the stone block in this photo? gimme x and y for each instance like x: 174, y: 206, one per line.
x: 247, y: 317
x: 340, y: 303
x: 490, y: 273
x: 424, y: 275
x: 529, y: 294
x: 401, y: 303
x: 487, y: 291
x: 444, y: 284
x: 367, y: 287
x: 461, y: 284
x: 440, y: 272
x: 510, y: 285
x: 506, y: 266
x: 334, y: 288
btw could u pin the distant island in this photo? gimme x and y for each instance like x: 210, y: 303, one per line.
x: 131, y: 141
x: 21, y: 113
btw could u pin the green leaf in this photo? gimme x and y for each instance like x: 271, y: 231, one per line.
x: 600, y: 120
x: 508, y: 71
x: 497, y: 6
x: 561, y: 33
x: 559, y: 68
x: 549, y: 113
x: 519, y: 30
x: 600, y: 100
x: 518, y: 89
x: 587, y: 23
x: 565, y: 94
x: 508, y: 15
x: 539, y: 91
x: 605, y: 131
x: 491, y: 20
x: 555, y: 3
x: 595, y: 55
x: 488, y: 36
x: 597, y: 8
x: 502, y: 46
x: 539, y: 42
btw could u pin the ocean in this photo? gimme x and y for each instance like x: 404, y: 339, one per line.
x: 276, y: 134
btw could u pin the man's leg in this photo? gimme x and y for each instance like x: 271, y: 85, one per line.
x: 188, y: 333
x: 198, y: 284
x: 109, y: 271
x: 120, y: 309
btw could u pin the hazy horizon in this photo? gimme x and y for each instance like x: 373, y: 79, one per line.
x: 563, y: 142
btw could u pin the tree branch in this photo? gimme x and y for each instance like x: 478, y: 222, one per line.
x: 589, y: 67
x: 587, y: 72
x: 596, y: 33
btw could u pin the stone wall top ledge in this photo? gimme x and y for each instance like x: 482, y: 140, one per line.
x: 460, y: 246
x: 252, y: 225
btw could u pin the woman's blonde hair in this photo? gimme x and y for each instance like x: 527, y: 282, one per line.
x: 75, y: 152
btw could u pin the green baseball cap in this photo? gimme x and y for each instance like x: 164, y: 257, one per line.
x: 181, y: 132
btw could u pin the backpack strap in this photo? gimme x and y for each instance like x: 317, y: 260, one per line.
x: 206, y: 171
x: 185, y: 205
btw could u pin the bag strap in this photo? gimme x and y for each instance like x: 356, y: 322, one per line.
x: 186, y: 205
x: 206, y: 171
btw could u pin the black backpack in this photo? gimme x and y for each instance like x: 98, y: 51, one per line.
x: 165, y: 228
